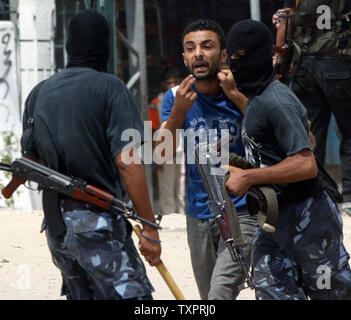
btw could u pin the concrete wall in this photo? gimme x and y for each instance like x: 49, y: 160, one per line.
x: 31, y: 62
x: 35, y: 32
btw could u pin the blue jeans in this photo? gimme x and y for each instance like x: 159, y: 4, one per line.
x: 217, y: 276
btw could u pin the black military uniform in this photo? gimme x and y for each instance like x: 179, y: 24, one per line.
x: 304, y: 258
x: 79, y: 116
x: 322, y: 80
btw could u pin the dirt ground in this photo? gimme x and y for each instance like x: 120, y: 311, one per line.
x: 27, y: 272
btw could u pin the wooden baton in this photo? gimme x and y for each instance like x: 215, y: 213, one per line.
x: 164, y: 273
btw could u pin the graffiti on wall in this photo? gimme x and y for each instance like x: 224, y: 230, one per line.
x: 9, y: 105
x: 9, y: 101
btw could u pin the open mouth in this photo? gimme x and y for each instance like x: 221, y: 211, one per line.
x: 200, y: 66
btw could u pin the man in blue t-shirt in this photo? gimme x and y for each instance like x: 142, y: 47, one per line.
x: 198, y: 105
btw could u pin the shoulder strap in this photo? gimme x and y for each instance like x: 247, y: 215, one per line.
x: 27, y: 140
x: 34, y: 99
x: 328, y: 183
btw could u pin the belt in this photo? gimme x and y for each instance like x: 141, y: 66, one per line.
x: 69, y: 204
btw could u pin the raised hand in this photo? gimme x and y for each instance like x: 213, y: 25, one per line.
x: 185, y: 96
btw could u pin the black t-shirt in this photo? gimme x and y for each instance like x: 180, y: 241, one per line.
x: 79, y: 118
x: 275, y: 127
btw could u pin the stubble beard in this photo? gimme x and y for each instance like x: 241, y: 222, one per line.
x: 211, y: 74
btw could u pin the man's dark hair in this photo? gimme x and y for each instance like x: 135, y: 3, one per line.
x: 171, y: 73
x: 205, y: 24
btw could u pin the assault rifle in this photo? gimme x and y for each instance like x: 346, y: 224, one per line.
x: 285, y: 51
x: 221, y: 206
x: 23, y: 170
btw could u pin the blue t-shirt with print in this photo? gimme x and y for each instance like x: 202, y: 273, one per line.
x: 207, y: 112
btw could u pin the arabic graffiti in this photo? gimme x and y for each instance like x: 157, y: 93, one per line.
x: 5, y: 40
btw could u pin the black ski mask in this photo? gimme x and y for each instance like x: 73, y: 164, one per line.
x: 254, y: 70
x: 88, y: 41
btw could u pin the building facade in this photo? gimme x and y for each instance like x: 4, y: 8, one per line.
x: 145, y: 40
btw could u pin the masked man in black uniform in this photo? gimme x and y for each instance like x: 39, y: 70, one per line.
x: 321, y: 77
x: 305, y: 257
x: 79, y: 116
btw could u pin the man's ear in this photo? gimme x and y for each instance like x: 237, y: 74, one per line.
x: 184, y: 60
x: 224, y: 56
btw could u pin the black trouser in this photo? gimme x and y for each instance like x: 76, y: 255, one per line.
x: 323, y: 84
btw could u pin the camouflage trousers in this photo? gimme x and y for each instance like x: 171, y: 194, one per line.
x: 98, y: 259
x: 305, y: 257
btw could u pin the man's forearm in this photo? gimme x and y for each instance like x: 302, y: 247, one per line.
x: 174, y: 123
x: 183, y: 102
x: 240, y: 100
x: 299, y: 167
x: 134, y: 179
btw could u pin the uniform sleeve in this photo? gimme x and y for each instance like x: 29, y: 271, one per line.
x: 167, y: 104
x: 28, y: 145
x: 124, y: 125
x: 290, y: 129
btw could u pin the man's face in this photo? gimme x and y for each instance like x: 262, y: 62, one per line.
x: 170, y: 83
x: 202, y: 54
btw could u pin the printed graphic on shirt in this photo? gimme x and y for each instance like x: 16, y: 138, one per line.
x: 223, y: 125
x: 251, y: 149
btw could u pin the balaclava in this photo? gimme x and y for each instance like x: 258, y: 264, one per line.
x: 253, y: 71
x: 88, y: 41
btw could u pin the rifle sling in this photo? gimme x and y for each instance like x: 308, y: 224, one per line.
x: 260, y: 200
x: 267, y: 220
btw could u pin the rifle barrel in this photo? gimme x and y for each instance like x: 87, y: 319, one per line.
x: 5, y: 167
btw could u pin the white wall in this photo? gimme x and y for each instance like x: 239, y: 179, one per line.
x: 35, y: 20
x: 35, y: 23
x: 10, y: 127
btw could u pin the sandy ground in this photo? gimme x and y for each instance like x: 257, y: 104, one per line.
x: 27, y: 272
